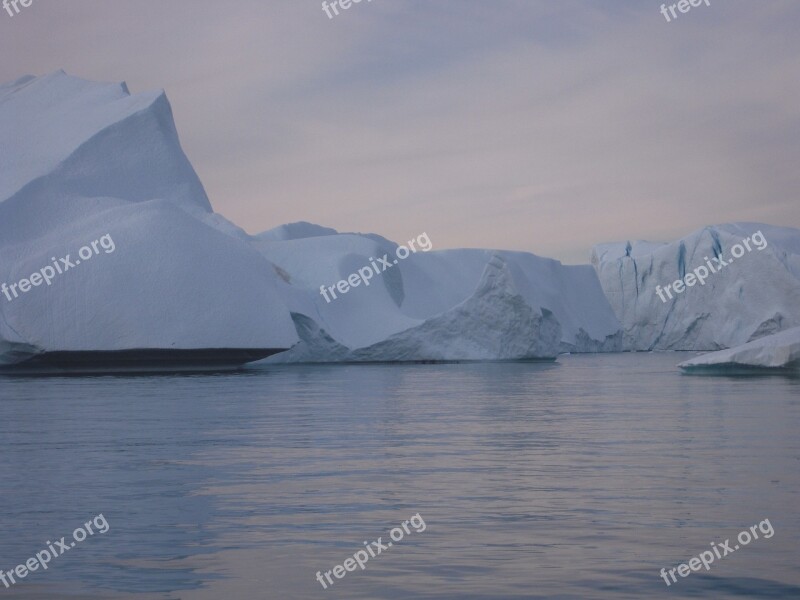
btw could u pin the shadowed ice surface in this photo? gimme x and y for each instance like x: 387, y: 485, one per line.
x: 579, y: 479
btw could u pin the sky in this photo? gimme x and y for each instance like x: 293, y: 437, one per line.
x: 528, y: 125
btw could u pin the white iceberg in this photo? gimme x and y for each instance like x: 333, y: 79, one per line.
x: 494, y: 323
x: 435, y: 305
x: 91, y: 160
x: 752, y: 296
x: 776, y: 351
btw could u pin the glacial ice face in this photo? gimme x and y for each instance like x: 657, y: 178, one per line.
x: 73, y: 137
x: 779, y: 350
x: 89, y: 160
x: 754, y: 295
x: 493, y: 323
x: 426, y: 306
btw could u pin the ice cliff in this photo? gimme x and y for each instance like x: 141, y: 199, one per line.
x: 435, y: 305
x: 752, y: 295
x: 81, y: 160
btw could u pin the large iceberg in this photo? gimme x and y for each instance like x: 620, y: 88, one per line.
x: 84, y: 161
x: 776, y: 351
x: 750, y: 286
x: 434, y: 305
x: 94, y: 176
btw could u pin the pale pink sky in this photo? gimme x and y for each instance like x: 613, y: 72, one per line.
x: 530, y: 125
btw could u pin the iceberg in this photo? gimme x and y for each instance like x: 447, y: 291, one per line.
x: 776, y: 351
x: 90, y: 160
x: 748, y: 297
x: 178, y: 282
x: 494, y: 323
x: 443, y: 305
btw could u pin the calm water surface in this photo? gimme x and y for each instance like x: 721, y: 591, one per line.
x: 579, y: 479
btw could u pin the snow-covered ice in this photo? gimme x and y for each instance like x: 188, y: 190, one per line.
x: 82, y: 160
x: 779, y: 350
x: 755, y: 295
x: 438, y: 305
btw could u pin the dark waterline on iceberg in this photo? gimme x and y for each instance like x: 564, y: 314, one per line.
x: 575, y: 479
x: 141, y: 360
